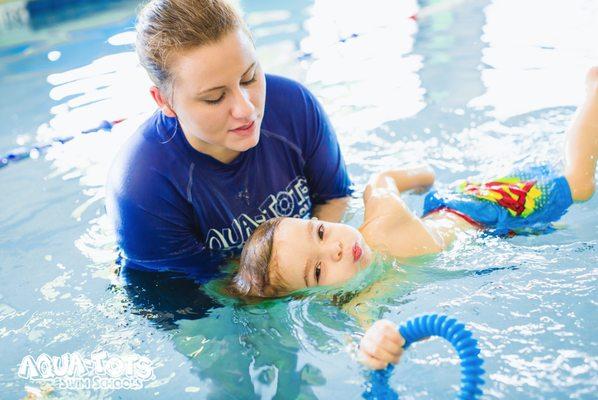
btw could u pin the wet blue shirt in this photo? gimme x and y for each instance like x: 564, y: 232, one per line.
x: 175, y: 208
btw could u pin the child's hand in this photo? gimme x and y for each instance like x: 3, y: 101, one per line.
x: 425, y: 176
x: 418, y: 179
x: 381, y: 344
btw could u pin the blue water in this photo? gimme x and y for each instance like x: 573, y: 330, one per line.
x: 471, y: 88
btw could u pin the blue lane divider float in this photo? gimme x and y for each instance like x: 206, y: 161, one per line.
x: 23, y: 152
x: 463, y: 343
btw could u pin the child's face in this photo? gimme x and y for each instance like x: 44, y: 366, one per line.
x: 313, y: 253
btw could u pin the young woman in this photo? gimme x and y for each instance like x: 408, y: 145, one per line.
x: 229, y: 147
x: 285, y: 255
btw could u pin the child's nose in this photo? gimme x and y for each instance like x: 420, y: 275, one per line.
x: 337, y: 251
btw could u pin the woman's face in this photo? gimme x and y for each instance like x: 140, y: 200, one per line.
x: 218, y: 95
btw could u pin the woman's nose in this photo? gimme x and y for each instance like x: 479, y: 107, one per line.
x: 243, y: 108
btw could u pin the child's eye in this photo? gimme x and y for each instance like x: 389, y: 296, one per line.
x: 321, y: 232
x: 317, y: 272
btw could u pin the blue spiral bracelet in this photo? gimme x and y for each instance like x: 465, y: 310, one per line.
x: 449, y: 329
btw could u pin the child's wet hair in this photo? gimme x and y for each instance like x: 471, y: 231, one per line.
x: 258, y: 273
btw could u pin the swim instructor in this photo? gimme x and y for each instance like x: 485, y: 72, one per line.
x: 228, y: 148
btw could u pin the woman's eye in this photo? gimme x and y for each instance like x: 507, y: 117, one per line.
x: 249, y: 82
x: 321, y: 232
x: 216, y: 101
x: 317, y: 272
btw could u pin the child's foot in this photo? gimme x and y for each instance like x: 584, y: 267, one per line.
x: 592, y: 80
x: 581, y: 152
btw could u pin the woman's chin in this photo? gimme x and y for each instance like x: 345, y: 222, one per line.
x: 245, y: 143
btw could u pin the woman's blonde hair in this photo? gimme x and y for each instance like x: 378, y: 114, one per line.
x: 166, y: 27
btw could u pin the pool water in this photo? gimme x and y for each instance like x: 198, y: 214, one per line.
x: 470, y: 87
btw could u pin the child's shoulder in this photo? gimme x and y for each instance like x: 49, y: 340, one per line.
x: 384, y: 202
x: 391, y: 228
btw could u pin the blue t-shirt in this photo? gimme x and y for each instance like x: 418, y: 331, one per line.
x: 176, y: 208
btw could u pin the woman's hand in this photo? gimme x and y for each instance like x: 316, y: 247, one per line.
x: 381, y: 344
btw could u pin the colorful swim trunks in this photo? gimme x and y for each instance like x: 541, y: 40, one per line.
x: 526, y: 201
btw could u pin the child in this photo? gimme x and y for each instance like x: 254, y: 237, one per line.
x: 287, y: 254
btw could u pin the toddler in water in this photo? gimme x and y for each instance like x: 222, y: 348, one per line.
x: 287, y: 254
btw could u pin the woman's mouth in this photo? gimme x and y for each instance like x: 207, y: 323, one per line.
x: 245, y: 130
x: 357, y: 252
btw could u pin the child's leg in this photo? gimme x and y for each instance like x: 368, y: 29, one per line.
x: 581, y: 151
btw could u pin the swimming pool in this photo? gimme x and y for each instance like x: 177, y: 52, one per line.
x: 472, y: 87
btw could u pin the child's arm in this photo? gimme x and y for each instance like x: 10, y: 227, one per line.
x: 389, y: 224
x: 382, y: 343
x: 419, y: 178
x: 382, y: 194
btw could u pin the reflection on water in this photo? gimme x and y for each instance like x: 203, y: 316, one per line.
x: 239, y: 352
x: 166, y: 298
x: 530, y: 62
x: 21, y: 18
x: 527, y: 59
x: 452, y: 87
x: 377, y: 83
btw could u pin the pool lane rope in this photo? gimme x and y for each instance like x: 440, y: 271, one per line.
x: 450, y: 329
x: 23, y: 152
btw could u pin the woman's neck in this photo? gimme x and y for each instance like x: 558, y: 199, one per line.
x: 220, y: 153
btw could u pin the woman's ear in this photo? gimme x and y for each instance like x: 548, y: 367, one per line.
x: 162, y: 102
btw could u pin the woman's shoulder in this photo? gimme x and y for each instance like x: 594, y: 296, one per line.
x: 288, y: 94
x: 293, y: 111
x: 142, y: 159
x: 277, y: 84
